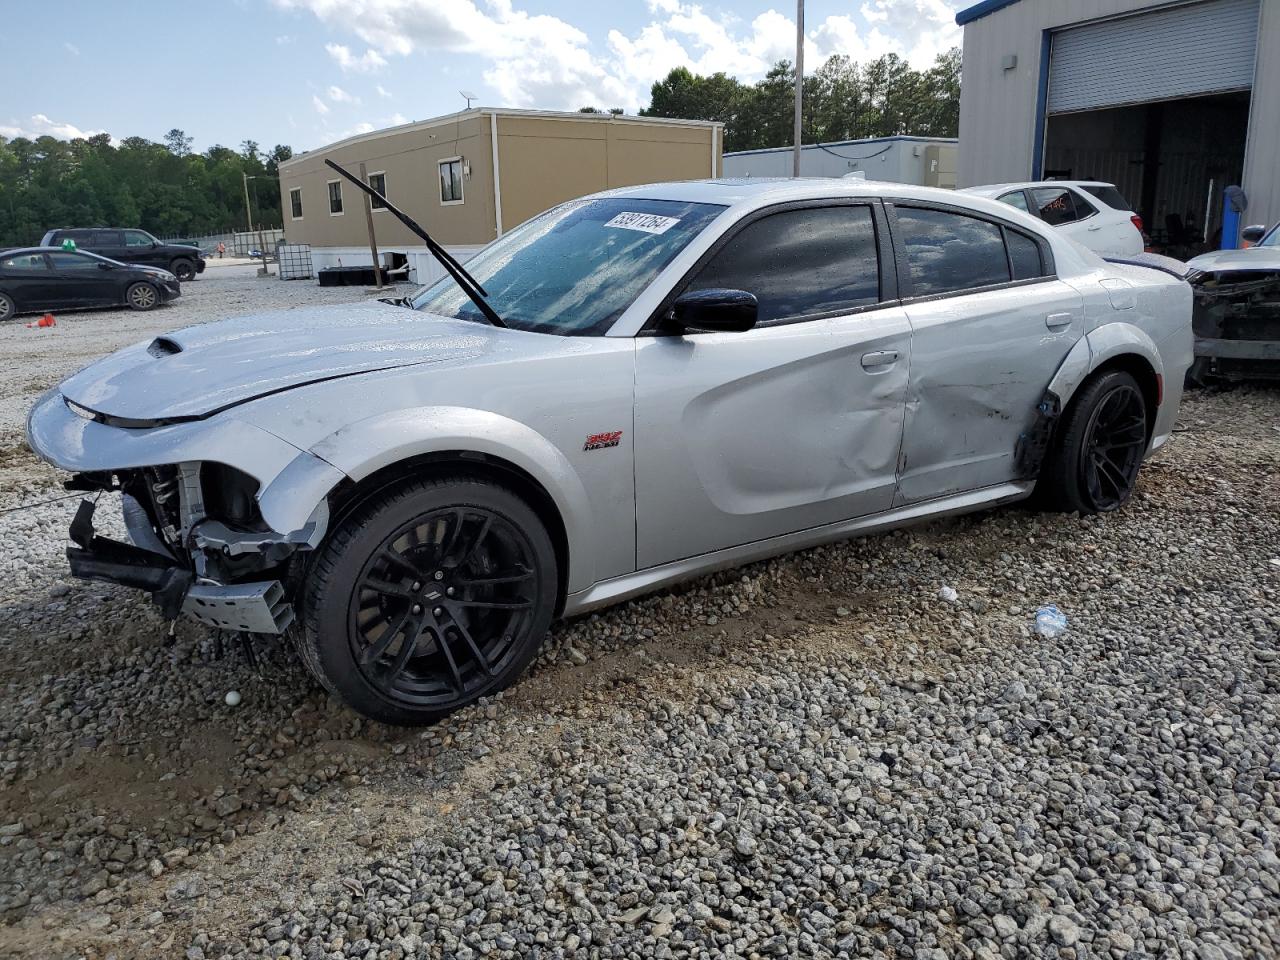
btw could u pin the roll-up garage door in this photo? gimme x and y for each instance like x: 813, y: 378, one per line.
x: 1182, y: 51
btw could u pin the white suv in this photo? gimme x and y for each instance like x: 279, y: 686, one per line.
x: 1089, y: 212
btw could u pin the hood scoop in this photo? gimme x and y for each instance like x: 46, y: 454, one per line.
x: 164, y: 347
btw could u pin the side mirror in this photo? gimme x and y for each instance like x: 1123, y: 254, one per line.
x: 724, y: 311
x: 1253, y: 233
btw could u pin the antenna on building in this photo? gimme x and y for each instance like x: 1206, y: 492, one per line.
x: 468, y: 96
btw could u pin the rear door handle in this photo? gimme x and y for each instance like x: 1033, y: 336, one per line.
x: 1056, y: 321
x: 879, y: 358
x: 1095, y: 229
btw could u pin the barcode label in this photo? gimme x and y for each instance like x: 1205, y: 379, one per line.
x: 644, y: 222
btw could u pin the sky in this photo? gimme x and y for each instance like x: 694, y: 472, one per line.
x: 308, y: 72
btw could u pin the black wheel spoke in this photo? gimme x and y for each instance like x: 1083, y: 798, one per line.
x: 493, y: 604
x: 455, y: 531
x: 476, y: 652
x: 392, y: 556
x: 492, y: 580
x: 442, y: 641
x: 477, y: 538
x: 389, y: 589
x: 376, y: 650
x: 407, y: 648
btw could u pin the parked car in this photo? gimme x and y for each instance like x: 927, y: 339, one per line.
x: 1237, y: 315
x: 1087, y: 211
x: 628, y: 390
x: 132, y: 246
x: 41, y: 278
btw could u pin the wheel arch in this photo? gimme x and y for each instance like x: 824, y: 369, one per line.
x: 386, y: 449
x: 1113, y: 346
x: 349, y: 494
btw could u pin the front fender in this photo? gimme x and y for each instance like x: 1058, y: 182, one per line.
x: 362, y: 448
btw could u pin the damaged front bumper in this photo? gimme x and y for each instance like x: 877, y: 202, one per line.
x: 258, y: 607
x: 1237, y: 327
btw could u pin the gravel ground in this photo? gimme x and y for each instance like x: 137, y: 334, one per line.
x: 814, y: 756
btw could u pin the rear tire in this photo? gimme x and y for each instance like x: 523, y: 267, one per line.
x: 142, y: 296
x: 427, y: 598
x: 1093, y: 464
x: 8, y: 309
x: 183, y: 269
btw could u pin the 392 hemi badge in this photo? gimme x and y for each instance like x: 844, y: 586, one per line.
x: 600, y: 441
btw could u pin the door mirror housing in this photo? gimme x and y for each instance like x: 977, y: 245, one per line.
x: 1254, y: 232
x: 718, y: 310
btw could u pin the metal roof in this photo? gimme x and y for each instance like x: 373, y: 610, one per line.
x: 500, y: 112
x: 844, y: 143
x: 980, y: 10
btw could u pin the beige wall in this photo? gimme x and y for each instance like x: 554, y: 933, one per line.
x: 410, y: 160
x: 543, y: 160
x: 548, y: 160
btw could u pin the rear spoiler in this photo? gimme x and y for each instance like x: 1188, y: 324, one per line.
x: 1154, y: 261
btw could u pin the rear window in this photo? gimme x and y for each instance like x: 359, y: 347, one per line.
x: 947, y: 252
x: 1109, y: 195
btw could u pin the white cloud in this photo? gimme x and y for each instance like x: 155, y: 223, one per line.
x: 338, y: 95
x: 71, y: 48
x: 321, y: 107
x: 383, y: 91
x: 397, y: 119
x: 541, y: 60
x: 370, y: 61
x: 39, y: 125
x: 283, y: 40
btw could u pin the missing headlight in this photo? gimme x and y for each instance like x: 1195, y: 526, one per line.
x: 230, y: 495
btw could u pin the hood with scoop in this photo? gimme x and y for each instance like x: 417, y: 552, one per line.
x: 1265, y: 259
x: 198, y: 371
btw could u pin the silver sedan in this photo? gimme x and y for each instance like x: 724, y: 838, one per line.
x: 625, y: 391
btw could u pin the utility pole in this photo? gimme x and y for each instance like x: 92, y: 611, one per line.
x: 248, y: 216
x: 368, y: 219
x: 795, y: 165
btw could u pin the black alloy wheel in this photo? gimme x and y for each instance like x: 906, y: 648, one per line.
x: 1098, y: 447
x: 436, y: 609
x: 1117, y: 439
x: 184, y: 270
x: 428, y: 598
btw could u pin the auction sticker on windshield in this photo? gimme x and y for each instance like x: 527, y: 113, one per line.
x: 644, y: 222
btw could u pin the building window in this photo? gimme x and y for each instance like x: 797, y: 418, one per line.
x: 378, y: 181
x: 295, y: 202
x: 335, y: 198
x: 451, y: 180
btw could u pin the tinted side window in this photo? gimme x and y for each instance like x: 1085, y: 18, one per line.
x: 108, y: 238
x: 801, y: 262
x: 1109, y: 195
x: 1058, y: 205
x: 947, y: 252
x: 1024, y: 256
x: 73, y: 261
x: 1016, y: 199
x: 25, y: 262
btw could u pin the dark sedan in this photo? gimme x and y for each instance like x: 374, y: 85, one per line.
x: 45, y: 278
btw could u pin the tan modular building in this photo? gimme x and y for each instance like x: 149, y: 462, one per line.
x: 470, y: 176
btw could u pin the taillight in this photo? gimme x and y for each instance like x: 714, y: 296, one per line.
x: 1137, y: 222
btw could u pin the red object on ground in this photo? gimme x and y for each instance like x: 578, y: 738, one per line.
x: 45, y: 321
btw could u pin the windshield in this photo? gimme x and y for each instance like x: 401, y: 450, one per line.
x: 576, y: 268
x: 1272, y: 239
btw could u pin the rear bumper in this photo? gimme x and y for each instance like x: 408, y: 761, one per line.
x: 1238, y: 349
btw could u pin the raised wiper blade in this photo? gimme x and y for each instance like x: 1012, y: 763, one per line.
x: 469, y: 285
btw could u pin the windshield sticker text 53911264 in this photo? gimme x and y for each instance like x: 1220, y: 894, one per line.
x: 644, y: 222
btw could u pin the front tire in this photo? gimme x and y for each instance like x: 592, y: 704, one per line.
x: 141, y: 296
x: 1093, y: 464
x: 183, y: 269
x: 427, y: 598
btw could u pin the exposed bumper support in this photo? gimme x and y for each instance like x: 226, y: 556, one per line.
x: 1238, y: 349
x: 249, y: 607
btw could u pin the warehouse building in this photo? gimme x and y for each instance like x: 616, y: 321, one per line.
x: 470, y: 176
x: 1172, y: 102
x: 924, y: 161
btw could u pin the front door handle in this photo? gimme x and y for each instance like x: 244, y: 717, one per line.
x: 879, y: 358
x: 1056, y: 321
